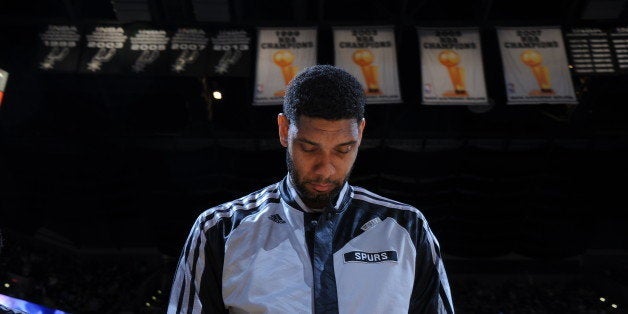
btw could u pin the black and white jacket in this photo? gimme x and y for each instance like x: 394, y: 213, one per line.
x: 268, y: 253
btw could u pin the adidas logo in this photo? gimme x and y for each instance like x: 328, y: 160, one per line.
x: 276, y: 218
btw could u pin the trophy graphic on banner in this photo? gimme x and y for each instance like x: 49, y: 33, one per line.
x: 55, y: 54
x: 364, y: 58
x: 284, y: 59
x: 451, y: 59
x: 103, y: 55
x: 533, y: 59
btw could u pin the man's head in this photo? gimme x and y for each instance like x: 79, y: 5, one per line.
x: 321, y: 127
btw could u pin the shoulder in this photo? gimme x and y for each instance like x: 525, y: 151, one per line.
x: 362, y: 194
x: 6, y: 310
x: 241, y: 207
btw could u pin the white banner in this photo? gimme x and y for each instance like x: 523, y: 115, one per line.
x: 281, y: 54
x: 452, y: 71
x: 4, y: 77
x: 369, y: 54
x: 536, y: 70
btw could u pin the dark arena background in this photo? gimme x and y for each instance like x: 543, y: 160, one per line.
x: 103, y: 174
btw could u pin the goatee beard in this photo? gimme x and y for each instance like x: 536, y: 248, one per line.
x: 313, y: 201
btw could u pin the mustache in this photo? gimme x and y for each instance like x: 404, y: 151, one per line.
x: 322, y: 181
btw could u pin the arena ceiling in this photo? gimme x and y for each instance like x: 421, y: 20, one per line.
x: 479, y: 12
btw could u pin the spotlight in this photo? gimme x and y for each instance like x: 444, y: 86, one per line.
x: 614, y: 306
x: 217, y: 95
x: 603, y: 299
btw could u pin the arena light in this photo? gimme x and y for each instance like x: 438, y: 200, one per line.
x: 7, y: 285
x: 603, y: 299
x: 614, y: 306
x: 217, y: 95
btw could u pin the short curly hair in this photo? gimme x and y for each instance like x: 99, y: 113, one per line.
x: 324, y: 91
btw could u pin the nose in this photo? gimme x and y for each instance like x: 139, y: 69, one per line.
x: 324, y: 167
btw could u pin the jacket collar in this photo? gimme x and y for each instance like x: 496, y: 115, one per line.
x: 290, y: 195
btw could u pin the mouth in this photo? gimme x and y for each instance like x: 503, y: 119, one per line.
x: 322, y: 187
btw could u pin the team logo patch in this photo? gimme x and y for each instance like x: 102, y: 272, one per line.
x: 370, y: 257
x: 276, y: 218
x: 370, y: 224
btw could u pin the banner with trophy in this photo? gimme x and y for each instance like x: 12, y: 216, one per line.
x: 59, y: 48
x: 536, y: 70
x: 452, y: 71
x: 369, y: 53
x: 4, y: 77
x: 281, y: 54
x: 103, y: 50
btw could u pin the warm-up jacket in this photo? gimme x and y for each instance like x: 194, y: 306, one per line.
x: 268, y: 253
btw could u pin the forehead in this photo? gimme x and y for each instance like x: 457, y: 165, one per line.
x: 313, y: 128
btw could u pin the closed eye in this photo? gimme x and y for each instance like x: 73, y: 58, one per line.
x: 308, y: 148
x: 345, y: 149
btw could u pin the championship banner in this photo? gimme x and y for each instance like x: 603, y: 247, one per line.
x: 452, y: 71
x: 619, y: 37
x: 281, y: 54
x: 589, y: 50
x: 4, y: 77
x: 147, y: 50
x: 535, y: 65
x: 59, y: 48
x: 104, y: 45
x: 187, y: 54
x: 369, y: 54
x: 230, y: 53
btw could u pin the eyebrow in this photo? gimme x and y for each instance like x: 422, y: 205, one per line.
x: 317, y: 144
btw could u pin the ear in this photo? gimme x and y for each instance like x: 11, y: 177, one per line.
x: 361, y: 126
x: 283, y: 125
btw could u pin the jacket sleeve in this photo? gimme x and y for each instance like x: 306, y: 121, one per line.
x: 431, y: 292
x: 197, y: 284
